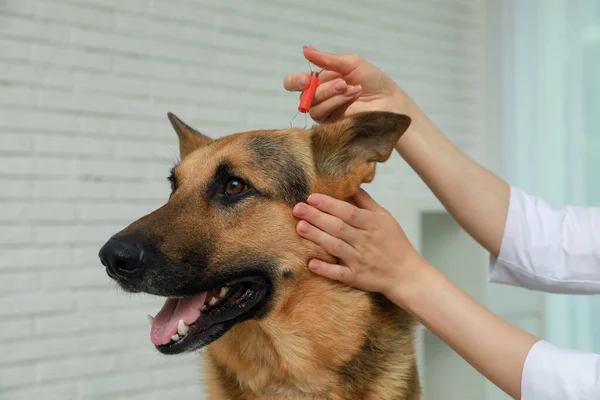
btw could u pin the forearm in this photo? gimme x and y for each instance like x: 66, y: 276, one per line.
x: 492, y: 346
x: 474, y: 196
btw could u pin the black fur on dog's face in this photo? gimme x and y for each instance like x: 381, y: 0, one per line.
x: 223, y: 249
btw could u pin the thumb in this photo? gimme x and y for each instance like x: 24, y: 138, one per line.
x: 341, y: 63
x: 332, y: 271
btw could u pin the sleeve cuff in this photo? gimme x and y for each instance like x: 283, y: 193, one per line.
x: 536, y: 253
x: 553, y: 373
x: 501, y: 269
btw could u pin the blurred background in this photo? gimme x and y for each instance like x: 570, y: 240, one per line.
x: 85, y: 147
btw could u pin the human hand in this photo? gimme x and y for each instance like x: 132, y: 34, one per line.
x: 349, y: 84
x: 374, y: 251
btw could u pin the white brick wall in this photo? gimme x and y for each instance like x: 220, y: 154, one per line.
x: 85, y: 146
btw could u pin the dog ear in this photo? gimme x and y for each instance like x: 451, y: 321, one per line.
x: 346, y: 152
x: 189, y: 139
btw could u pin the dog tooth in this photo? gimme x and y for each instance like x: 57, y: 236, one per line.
x: 182, y: 328
x: 213, y: 301
x: 203, y: 307
x: 223, y: 291
x: 150, y: 319
x: 175, y: 337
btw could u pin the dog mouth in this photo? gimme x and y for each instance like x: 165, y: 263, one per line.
x: 189, y: 323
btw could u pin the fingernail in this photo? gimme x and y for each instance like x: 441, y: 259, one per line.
x: 300, y: 210
x: 302, y: 81
x: 340, y: 86
x: 312, y: 200
x: 306, y: 46
x: 352, y: 90
x: 302, y: 227
x: 314, y: 265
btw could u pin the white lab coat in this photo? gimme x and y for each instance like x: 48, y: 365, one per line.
x: 553, y: 250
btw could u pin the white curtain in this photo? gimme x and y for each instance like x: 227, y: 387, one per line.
x: 552, y: 142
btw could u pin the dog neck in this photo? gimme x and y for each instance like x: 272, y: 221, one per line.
x: 353, y: 346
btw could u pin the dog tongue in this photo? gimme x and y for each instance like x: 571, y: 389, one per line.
x: 165, y: 323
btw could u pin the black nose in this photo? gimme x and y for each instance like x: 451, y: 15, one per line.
x: 121, y: 258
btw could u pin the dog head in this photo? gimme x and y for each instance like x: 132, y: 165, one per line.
x: 223, y: 249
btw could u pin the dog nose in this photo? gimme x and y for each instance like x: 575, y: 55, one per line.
x: 121, y: 258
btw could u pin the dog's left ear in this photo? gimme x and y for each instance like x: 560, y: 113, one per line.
x: 189, y: 139
x: 346, y: 152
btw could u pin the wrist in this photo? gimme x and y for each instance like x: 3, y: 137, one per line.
x: 408, y: 285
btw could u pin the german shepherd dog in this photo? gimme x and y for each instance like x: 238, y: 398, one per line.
x: 224, y: 253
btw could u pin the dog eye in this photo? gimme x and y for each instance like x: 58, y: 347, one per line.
x: 171, y: 178
x: 235, y: 186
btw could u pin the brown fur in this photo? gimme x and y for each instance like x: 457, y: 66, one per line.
x: 318, y: 339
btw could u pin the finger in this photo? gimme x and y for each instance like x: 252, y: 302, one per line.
x: 321, y: 112
x: 299, y: 81
x: 342, y: 63
x: 296, y: 82
x: 326, y: 76
x: 330, y: 89
x: 332, y: 271
x: 327, y: 223
x: 348, y: 213
x: 329, y: 107
x: 364, y: 200
x: 332, y: 245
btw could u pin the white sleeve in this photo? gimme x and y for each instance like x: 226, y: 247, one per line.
x: 554, y: 373
x: 550, y: 249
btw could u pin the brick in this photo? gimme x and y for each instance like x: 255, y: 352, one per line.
x: 19, y: 73
x: 15, y: 235
x: 85, y: 81
x: 148, y: 357
x: 120, y: 169
x: 13, y: 49
x: 69, y: 56
x: 115, y: 212
x: 53, y: 348
x: 136, y: 6
x: 99, y: 103
x: 177, y: 374
x: 35, y: 303
x: 52, y: 212
x: 19, y: 282
x: 71, y: 189
x: 111, y: 298
x: 16, y: 143
x: 32, y: 29
x: 74, y: 368
x: 16, y: 376
x: 123, y: 319
x: 40, y: 166
x: 17, y: 329
x: 13, y: 188
x: 37, y: 119
x: 123, y: 128
x: 77, y: 278
x: 114, y: 384
x: 41, y: 257
x: 62, y: 391
x: 44, y: 144
x: 17, y: 7
x: 85, y: 254
x: 158, y: 192
x: 74, y: 14
x: 71, y: 234
x: 155, y: 151
x: 16, y: 95
x: 193, y: 391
